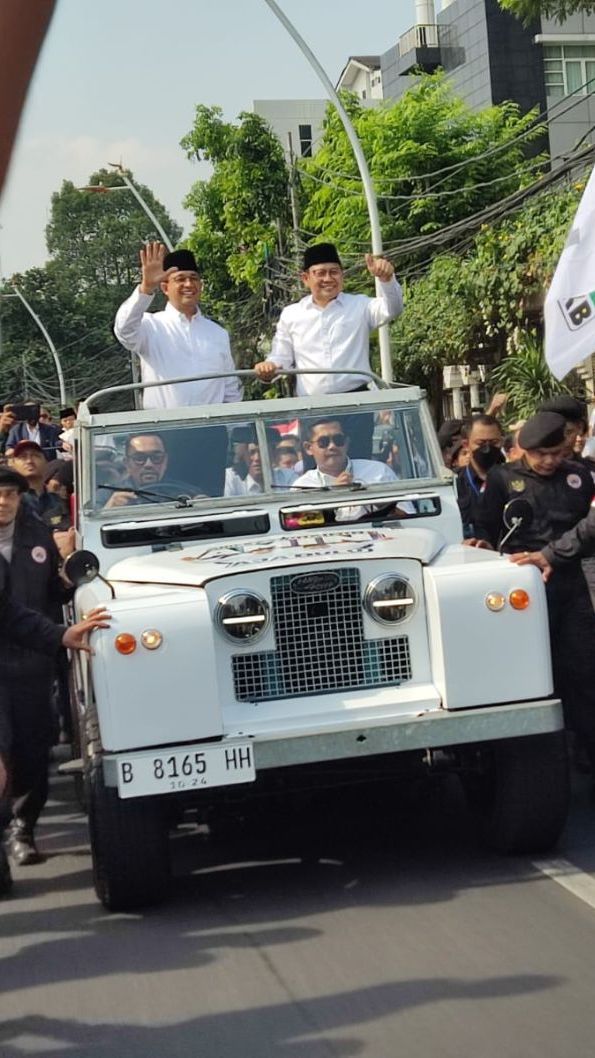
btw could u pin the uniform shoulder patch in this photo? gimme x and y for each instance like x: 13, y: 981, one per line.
x: 517, y: 485
x: 574, y: 480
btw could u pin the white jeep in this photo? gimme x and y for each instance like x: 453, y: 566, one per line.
x: 267, y: 621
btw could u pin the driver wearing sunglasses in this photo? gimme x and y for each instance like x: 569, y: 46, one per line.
x: 328, y: 444
x: 146, y: 465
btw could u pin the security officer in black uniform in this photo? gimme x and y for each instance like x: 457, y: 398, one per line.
x: 30, y: 630
x: 28, y: 546
x: 560, y: 494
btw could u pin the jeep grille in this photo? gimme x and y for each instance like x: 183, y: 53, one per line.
x: 320, y: 644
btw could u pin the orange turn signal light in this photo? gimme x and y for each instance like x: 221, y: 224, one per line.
x: 125, y: 643
x: 519, y: 599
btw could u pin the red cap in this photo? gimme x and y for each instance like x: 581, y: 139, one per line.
x: 22, y: 445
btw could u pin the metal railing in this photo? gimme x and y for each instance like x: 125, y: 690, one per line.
x: 422, y: 36
x: 131, y: 387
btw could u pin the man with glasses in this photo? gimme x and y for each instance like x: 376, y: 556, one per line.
x: 328, y: 444
x: 146, y: 464
x: 328, y: 329
x: 179, y: 341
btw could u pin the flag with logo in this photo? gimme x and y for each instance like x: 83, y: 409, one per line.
x: 570, y: 301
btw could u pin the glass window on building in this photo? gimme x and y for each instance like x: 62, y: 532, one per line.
x: 305, y: 132
x: 569, y: 69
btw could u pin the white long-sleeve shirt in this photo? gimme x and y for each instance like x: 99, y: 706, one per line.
x: 169, y: 345
x: 336, y: 337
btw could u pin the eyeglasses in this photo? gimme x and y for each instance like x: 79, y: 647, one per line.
x: 139, y: 458
x: 338, y: 439
x: 179, y: 281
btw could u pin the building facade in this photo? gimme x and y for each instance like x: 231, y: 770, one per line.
x: 298, y: 121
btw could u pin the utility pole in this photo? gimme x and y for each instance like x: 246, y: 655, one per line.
x: 295, y: 217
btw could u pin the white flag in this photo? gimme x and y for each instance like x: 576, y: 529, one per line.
x: 570, y: 301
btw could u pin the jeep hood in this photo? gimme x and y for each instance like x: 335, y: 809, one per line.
x: 195, y: 566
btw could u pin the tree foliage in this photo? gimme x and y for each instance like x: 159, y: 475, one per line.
x: 531, y: 10
x: 241, y: 213
x: 94, y: 242
x: 433, y: 161
x: 526, y: 378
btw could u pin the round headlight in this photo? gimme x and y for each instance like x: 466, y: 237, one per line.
x: 242, y: 615
x: 389, y: 599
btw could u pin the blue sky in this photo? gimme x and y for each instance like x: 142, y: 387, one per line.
x: 120, y: 79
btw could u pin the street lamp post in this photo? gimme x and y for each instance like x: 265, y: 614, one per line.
x: 18, y: 293
x: 128, y: 185
x: 384, y: 340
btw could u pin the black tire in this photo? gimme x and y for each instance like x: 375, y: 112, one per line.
x: 521, y: 792
x: 129, y: 845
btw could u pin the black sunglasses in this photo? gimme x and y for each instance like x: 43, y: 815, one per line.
x: 153, y: 457
x: 337, y: 439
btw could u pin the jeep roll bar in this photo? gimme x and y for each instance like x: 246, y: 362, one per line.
x: 131, y: 387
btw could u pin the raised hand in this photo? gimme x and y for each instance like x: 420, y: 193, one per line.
x: 153, y: 273
x: 379, y: 267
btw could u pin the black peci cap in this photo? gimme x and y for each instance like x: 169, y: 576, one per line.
x: 321, y: 253
x: 546, y: 429
x: 65, y: 412
x: 182, y: 259
x: 572, y: 409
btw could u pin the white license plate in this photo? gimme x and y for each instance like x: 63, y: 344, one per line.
x: 185, y: 769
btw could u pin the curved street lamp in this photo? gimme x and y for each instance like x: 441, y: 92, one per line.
x: 48, y: 339
x: 127, y: 185
x: 383, y: 335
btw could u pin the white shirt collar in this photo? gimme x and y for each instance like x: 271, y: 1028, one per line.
x: 309, y: 302
x: 171, y: 311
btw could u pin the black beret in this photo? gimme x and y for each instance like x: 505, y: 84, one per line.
x: 66, y: 411
x: 563, y: 404
x: 182, y: 259
x: 450, y: 429
x: 321, y: 253
x: 546, y: 429
x: 13, y: 478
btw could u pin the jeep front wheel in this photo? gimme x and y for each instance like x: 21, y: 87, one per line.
x: 129, y: 845
x: 520, y: 792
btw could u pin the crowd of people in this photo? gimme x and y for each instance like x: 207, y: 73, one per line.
x: 545, y: 461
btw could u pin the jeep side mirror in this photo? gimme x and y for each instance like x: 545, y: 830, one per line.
x: 81, y: 567
x: 516, y: 513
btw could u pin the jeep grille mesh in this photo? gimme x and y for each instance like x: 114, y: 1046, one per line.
x: 320, y: 644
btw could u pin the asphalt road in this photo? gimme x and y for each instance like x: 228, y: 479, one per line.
x: 351, y: 928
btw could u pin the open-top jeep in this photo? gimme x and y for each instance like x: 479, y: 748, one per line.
x: 269, y: 623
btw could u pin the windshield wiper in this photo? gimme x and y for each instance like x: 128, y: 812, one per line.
x: 181, y: 500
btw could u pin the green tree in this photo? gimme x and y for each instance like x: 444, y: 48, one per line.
x: 531, y: 10
x: 526, y: 378
x: 241, y: 218
x: 93, y: 241
x: 434, y: 161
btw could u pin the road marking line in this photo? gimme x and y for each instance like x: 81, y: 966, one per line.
x: 578, y: 882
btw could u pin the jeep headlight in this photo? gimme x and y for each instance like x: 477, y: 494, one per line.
x: 242, y: 616
x: 389, y: 599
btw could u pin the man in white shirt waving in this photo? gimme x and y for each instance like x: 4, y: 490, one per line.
x: 179, y: 341
x: 328, y: 329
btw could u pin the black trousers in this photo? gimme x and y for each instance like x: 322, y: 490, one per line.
x: 26, y: 720
x: 572, y: 638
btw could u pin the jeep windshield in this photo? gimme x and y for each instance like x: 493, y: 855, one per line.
x: 184, y: 463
